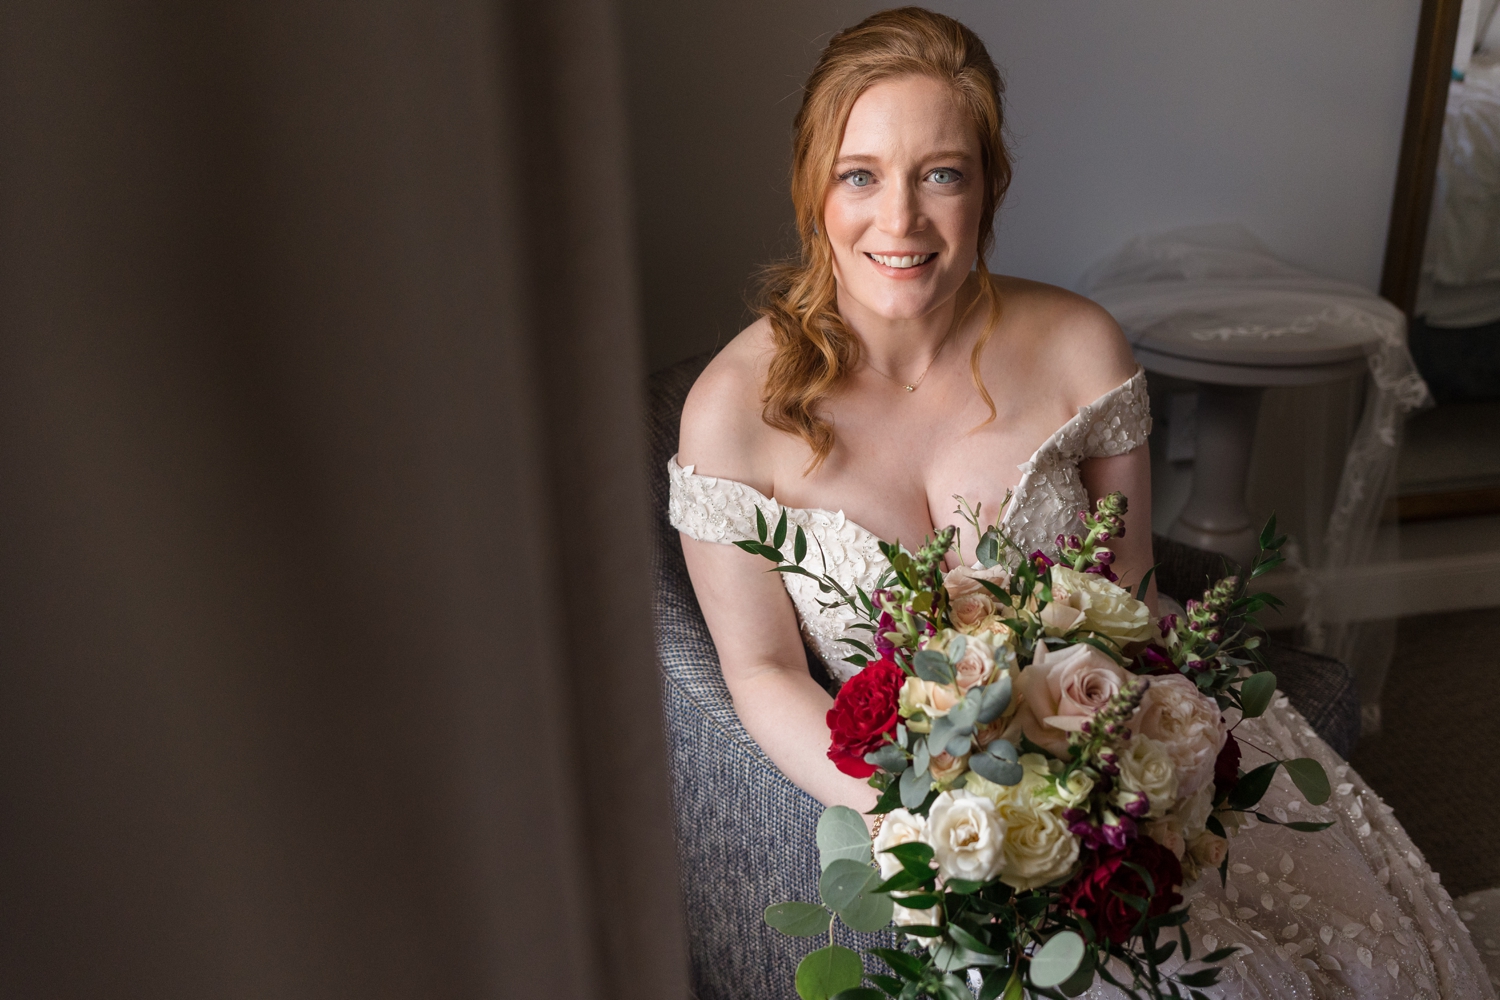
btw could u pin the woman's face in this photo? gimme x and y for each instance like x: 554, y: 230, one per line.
x: 902, y: 213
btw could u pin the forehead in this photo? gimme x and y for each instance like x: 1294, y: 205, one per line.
x: 908, y: 116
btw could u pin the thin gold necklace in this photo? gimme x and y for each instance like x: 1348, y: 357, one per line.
x: 912, y: 387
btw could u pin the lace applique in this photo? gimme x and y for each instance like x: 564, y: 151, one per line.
x: 722, y: 510
x: 1047, y: 499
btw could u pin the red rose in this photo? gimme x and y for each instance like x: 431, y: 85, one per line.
x: 862, y: 713
x: 1092, y: 894
x: 1227, y: 768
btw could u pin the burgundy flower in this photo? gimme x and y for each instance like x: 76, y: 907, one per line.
x: 1227, y: 768
x: 1093, y: 894
x: 862, y: 714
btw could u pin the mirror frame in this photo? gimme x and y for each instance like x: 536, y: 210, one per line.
x: 1421, y: 142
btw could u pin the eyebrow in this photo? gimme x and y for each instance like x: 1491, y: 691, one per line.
x: 946, y: 154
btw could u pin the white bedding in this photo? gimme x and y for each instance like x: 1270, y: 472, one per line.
x: 1461, y: 263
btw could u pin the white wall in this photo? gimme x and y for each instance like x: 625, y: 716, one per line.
x: 1126, y: 116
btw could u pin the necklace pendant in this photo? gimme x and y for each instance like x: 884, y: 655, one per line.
x: 909, y: 388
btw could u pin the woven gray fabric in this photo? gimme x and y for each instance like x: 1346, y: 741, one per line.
x: 745, y: 833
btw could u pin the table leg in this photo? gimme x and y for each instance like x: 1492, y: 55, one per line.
x: 1215, y: 517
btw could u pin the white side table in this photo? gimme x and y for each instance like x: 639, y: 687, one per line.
x: 1233, y: 366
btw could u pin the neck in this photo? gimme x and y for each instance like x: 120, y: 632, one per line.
x: 900, y: 348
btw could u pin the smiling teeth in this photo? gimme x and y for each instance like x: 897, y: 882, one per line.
x: 911, y: 260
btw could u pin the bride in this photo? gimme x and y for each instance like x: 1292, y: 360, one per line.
x: 889, y: 372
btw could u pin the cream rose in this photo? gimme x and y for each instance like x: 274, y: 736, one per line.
x: 1186, y: 721
x: 945, y: 767
x: 1035, y: 780
x: 1208, y: 850
x: 1038, y: 847
x: 1088, y: 600
x: 1168, y: 834
x: 970, y: 605
x: 967, y: 836
x: 1062, y: 690
x: 927, y: 698
x: 901, y: 827
x: 1145, y: 767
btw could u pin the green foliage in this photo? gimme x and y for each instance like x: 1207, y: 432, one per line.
x: 1056, y: 960
x: 828, y: 972
x: 842, y: 835
x: 842, y: 882
x: 1310, y: 778
x: 798, y: 919
x: 1256, y: 693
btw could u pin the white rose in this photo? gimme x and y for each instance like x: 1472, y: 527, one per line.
x: 1146, y: 767
x: 1186, y: 721
x: 1035, y: 780
x: 967, y: 836
x: 898, y: 827
x: 1088, y: 600
x: 901, y: 827
x: 1038, y: 847
x: 1075, y: 790
x: 970, y: 605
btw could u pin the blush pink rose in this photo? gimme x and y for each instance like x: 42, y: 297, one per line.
x: 969, y: 603
x: 1187, y: 722
x: 1063, y: 689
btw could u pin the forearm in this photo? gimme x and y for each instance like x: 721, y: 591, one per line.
x: 785, y: 711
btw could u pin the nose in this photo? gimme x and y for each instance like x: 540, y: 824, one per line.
x: 900, y: 212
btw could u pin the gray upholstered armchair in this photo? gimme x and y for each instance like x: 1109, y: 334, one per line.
x: 744, y: 832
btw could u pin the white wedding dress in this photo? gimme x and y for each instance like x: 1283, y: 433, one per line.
x: 1352, y: 911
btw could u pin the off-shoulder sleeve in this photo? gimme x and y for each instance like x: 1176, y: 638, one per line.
x: 1116, y: 422
x: 714, y: 510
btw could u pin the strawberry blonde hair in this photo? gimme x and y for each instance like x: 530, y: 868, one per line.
x: 814, y: 349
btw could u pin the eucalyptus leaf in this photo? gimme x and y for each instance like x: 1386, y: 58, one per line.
x: 1078, y: 983
x: 992, y: 699
x: 798, y: 919
x: 1003, y: 749
x: 828, y: 972
x: 888, y: 758
x: 1256, y: 693
x: 957, y: 648
x: 870, y: 912
x: 959, y: 744
x: 1001, y: 772
x: 842, y: 882
x: 963, y: 715
x: 915, y: 783
x: 842, y: 834
x: 988, y: 550
x: 1310, y: 779
x: 932, y: 666
x: 1056, y: 961
x: 921, y: 755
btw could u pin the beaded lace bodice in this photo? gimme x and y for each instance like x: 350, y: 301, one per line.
x: 1045, y: 504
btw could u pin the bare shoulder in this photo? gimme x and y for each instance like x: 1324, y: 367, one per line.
x: 722, y: 432
x: 1070, y: 340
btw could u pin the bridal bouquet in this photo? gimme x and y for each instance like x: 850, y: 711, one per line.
x: 1053, y: 765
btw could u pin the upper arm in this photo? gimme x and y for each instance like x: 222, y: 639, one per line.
x: 744, y: 602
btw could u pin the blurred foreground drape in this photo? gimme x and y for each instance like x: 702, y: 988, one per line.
x: 323, y: 616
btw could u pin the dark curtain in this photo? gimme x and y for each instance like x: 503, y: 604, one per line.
x: 323, y: 615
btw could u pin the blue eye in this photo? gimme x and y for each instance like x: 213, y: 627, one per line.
x: 944, y: 176
x: 858, y: 178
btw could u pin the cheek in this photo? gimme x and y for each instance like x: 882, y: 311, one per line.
x: 844, y: 222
